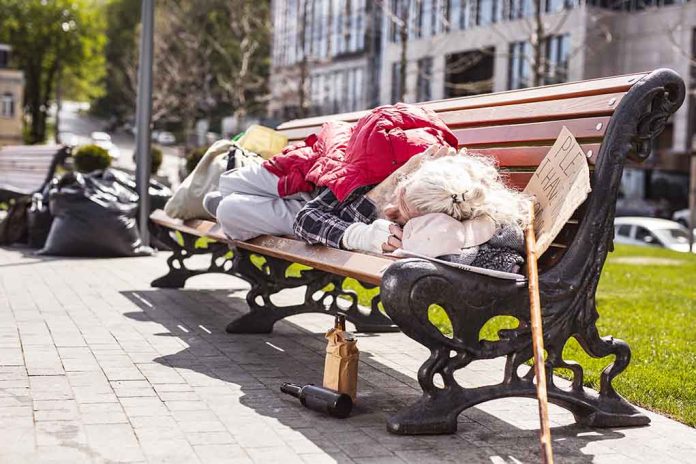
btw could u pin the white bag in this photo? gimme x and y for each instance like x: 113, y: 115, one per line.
x: 187, y: 201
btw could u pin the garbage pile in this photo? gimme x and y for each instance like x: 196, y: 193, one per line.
x: 87, y: 214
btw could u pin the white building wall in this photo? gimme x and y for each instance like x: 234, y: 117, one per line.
x: 498, y: 35
x: 644, y: 41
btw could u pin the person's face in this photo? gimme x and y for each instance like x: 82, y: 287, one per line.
x: 398, y: 210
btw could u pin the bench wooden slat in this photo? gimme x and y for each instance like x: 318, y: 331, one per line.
x: 547, y: 110
x: 582, y: 124
x: 552, y: 92
x: 363, y: 267
x: 529, y: 156
x: 507, y: 135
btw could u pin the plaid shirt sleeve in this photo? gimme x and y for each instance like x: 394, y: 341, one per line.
x: 324, y: 219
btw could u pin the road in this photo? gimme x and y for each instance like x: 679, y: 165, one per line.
x: 76, y: 125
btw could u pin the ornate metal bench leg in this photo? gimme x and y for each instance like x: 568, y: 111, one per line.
x: 182, y: 249
x: 611, y: 409
x: 324, y: 294
x: 469, y: 303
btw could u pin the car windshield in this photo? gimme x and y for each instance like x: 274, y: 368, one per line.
x: 672, y: 236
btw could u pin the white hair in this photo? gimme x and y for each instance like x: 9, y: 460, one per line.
x: 464, y: 186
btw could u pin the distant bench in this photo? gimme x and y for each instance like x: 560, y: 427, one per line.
x: 613, y: 119
x: 26, y: 169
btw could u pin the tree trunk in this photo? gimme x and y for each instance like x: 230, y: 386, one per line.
x: 403, y: 36
x: 304, y: 64
x: 538, y: 64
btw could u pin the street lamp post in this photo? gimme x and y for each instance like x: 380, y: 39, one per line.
x: 143, y: 113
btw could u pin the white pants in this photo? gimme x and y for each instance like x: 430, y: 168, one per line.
x: 251, y: 205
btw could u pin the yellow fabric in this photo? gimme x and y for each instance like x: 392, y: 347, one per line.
x: 263, y: 140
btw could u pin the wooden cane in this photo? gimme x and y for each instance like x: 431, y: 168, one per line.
x: 538, y: 341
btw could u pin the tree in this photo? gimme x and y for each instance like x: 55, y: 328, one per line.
x: 121, y: 53
x: 210, y: 57
x: 53, y: 42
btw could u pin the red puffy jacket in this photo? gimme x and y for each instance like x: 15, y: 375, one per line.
x: 299, y: 165
x: 343, y: 159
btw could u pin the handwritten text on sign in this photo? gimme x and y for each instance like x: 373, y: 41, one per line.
x: 560, y: 184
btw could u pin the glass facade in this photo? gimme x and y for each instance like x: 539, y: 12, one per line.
x: 555, y: 51
x: 337, y: 91
x: 317, y: 29
x: 424, y: 82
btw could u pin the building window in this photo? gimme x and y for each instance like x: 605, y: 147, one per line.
x: 557, y: 50
x: 7, y: 106
x: 521, y: 9
x: 486, y: 12
x: 419, y: 20
x: 519, y: 69
x: 4, y: 58
x: 462, y: 13
x: 396, y: 82
x: 469, y: 73
x: 424, y: 81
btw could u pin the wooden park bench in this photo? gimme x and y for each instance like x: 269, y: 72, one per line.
x: 26, y: 169
x: 613, y: 119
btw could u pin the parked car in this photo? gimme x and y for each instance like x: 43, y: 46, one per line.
x: 682, y: 217
x: 165, y: 138
x: 651, y: 232
x: 103, y: 140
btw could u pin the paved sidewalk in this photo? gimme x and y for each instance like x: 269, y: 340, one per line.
x: 95, y: 366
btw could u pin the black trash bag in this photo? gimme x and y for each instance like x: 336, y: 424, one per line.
x: 94, y: 215
x: 159, y: 193
x: 39, y: 217
x: 13, y: 228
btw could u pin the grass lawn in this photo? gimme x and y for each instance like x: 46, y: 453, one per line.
x: 647, y: 297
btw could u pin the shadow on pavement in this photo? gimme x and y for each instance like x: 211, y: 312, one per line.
x: 254, y: 366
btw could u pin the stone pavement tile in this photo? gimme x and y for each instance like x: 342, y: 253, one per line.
x: 273, y: 454
x: 380, y: 460
x: 159, y: 374
x: 222, y: 454
x: 157, y: 428
x: 11, y: 357
x: 60, y: 433
x: 139, y: 406
x: 198, y: 421
x: 323, y: 458
x: 132, y: 388
x: 113, y: 442
x: 102, y: 413
x: 210, y: 438
x: 55, y: 410
x: 168, y: 451
x: 62, y: 455
x: 185, y: 405
x: 90, y: 394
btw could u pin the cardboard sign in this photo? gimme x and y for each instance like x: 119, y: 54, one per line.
x: 560, y: 184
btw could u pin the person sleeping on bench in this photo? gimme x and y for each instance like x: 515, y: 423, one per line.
x: 343, y: 157
x: 452, y: 206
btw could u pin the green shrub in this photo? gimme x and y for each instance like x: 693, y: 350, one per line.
x: 90, y: 158
x: 193, y: 157
x: 156, y: 154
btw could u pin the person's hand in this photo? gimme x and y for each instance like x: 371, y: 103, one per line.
x: 393, y: 241
x: 438, y: 151
x: 367, y: 237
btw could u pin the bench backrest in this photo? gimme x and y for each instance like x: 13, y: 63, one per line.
x: 25, y: 169
x: 518, y: 128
